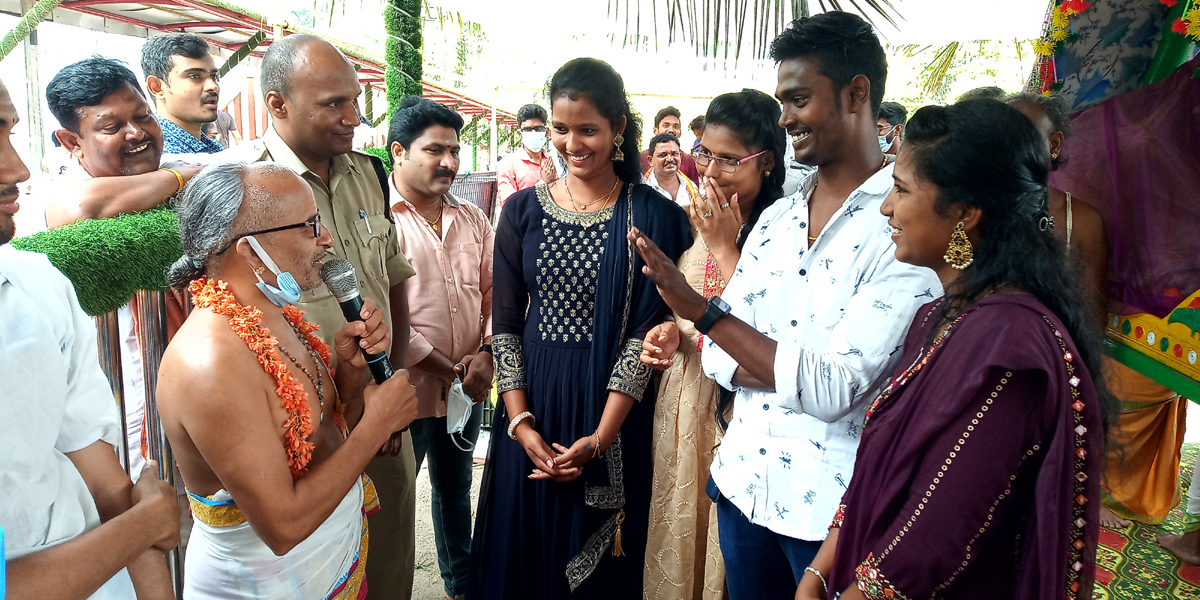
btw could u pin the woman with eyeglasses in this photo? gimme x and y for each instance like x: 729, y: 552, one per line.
x: 563, y: 505
x: 740, y: 162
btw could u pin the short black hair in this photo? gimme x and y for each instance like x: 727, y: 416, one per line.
x: 893, y: 112
x: 415, y: 115
x: 845, y: 47
x: 662, y: 138
x: 669, y: 111
x: 532, y: 111
x: 697, y: 123
x: 158, y: 50
x: 987, y: 92
x: 86, y: 83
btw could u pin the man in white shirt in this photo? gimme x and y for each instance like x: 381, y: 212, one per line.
x: 74, y: 526
x: 664, y: 174
x: 814, y: 315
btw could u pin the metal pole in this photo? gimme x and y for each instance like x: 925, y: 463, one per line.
x: 33, y: 96
x: 108, y: 338
x: 152, y: 340
x: 493, y: 151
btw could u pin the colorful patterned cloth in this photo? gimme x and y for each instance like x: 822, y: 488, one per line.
x: 1131, y: 566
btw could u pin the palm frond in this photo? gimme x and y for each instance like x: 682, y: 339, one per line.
x: 718, y: 28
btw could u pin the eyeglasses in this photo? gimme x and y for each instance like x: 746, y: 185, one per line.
x: 313, y: 223
x: 537, y: 128
x: 729, y: 165
x: 885, y: 128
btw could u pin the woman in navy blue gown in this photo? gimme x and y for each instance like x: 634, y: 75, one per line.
x: 564, y: 505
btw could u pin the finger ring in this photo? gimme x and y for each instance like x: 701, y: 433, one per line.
x: 726, y: 205
x: 707, y: 215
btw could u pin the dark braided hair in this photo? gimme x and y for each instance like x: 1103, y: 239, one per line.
x: 986, y: 154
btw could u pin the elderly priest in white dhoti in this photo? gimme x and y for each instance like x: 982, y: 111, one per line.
x: 271, y: 442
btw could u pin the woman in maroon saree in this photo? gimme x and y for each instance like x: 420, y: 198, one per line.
x: 979, y: 468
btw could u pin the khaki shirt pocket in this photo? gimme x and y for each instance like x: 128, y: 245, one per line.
x: 373, y: 235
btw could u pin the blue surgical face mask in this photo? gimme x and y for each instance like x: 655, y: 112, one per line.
x: 884, y: 144
x: 534, y: 140
x: 288, y: 291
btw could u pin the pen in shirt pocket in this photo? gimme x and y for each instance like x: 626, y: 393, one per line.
x: 362, y: 214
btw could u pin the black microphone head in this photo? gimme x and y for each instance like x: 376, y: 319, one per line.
x: 338, y: 275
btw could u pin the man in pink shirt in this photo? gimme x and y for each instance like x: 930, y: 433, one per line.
x: 450, y: 316
x: 530, y: 163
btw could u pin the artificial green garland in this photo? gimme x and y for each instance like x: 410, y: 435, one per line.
x: 109, y: 260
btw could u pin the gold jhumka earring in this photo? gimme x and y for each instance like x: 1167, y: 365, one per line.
x: 959, y: 254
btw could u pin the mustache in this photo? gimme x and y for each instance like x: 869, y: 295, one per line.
x: 208, y: 97
x: 444, y: 173
x: 9, y: 193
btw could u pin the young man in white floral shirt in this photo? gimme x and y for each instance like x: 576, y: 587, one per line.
x: 810, y: 325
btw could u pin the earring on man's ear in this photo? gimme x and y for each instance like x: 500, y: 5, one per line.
x: 260, y: 270
x: 618, y: 155
x: 1054, y: 155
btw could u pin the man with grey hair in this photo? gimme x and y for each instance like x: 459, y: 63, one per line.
x: 272, y: 450
x: 311, y: 90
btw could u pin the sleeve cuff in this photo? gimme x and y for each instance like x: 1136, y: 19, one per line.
x: 418, y: 347
x: 508, y: 352
x: 629, y: 375
x: 787, y: 374
x: 838, y: 518
x: 398, y: 269
x: 873, y: 584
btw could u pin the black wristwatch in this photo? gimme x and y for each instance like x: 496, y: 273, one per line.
x: 486, y: 348
x: 717, y: 308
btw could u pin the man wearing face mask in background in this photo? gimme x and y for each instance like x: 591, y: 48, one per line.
x: 182, y: 77
x: 664, y: 174
x: 892, y: 116
x: 310, y: 89
x: 529, y: 164
x: 450, y: 308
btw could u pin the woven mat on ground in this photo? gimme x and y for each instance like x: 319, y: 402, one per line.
x: 1131, y: 566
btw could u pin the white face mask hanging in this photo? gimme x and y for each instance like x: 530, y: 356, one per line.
x: 458, y: 413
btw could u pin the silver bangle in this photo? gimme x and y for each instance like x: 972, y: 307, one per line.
x: 819, y: 576
x: 512, y: 425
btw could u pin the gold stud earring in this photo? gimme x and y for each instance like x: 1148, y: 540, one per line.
x: 618, y: 155
x: 260, y: 270
x: 959, y: 254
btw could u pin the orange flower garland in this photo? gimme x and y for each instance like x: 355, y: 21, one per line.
x: 246, y: 322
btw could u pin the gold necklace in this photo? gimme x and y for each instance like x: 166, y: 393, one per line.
x: 580, y: 206
x: 813, y: 238
x: 435, y: 223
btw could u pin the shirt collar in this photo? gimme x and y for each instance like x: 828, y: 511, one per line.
x: 282, y: 153
x: 878, y: 184
x: 176, y: 140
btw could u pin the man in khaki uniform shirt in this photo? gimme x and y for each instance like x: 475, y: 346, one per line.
x: 310, y: 90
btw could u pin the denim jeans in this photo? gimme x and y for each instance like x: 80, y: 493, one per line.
x: 450, y: 476
x: 759, y: 563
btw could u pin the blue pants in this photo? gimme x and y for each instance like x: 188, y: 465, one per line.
x: 450, y: 475
x: 759, y: 563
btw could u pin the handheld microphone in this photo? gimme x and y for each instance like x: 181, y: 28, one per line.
x: 338, y: 275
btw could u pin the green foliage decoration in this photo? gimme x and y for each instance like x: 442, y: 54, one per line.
x: 109, y: 260
x: 382, y: 154
x: 402, y: 21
